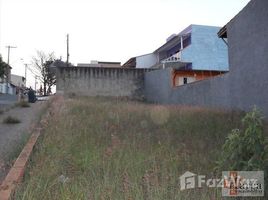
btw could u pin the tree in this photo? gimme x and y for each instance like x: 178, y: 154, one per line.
x: 42, y: 63
x: 3, y: 67
x: 41, y: 90
x: 246, y: 149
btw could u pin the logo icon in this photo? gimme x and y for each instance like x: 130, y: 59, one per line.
x: 243, y: 183
x: 187, y: 180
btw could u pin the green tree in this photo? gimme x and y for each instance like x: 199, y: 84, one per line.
x: 3, y: 67
x: 246, y: 149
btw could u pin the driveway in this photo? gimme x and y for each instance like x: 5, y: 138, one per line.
x: 13, y: 136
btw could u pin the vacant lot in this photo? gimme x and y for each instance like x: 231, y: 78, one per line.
x: 99, y: 148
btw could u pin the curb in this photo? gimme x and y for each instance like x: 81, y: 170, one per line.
x: 16, y: 173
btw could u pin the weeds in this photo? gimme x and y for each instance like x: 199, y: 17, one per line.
x: 23, y: 104
x: 117, y: 149
x: 11, y: 120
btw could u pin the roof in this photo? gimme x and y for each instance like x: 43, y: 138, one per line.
x: 198, y: 70
x: 17, y: 76
x: 115, y: 63
x: 223, y: 32
x: 131, y: 63
x: 169, y: 44
x: 11, y: 84
x: 175, y: 39
x: 187, y: 67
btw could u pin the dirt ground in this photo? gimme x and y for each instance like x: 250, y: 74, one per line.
x: 14, y: 136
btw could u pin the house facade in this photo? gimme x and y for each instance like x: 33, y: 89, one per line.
x: 195, y: 53
x: 244, y: 86
x: 18, y: 81
x: 198, y: 46
x: 143, y: 61
x: 6, y: 87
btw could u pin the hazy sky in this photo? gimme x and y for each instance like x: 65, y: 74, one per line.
x: 103, y: 30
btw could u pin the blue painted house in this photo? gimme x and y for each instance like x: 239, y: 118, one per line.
x: 197, y: 45
x: 196, y: 53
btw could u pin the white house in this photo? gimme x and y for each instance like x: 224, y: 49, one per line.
x: 143, y: 61
x: 6, y: 87
x: 18, y: 81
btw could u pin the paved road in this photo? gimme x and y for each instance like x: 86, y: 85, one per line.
x: 11, y: 136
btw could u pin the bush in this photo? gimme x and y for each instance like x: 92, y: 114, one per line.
x: 246, y: 149
x: 23, y: 104
x: 11, y: 120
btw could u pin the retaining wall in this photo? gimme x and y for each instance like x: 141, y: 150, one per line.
x: 96, y: 81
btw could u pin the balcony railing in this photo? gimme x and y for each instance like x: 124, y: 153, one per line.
x: 174, y: 58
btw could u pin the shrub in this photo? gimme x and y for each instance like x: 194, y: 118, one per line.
x: 246, y: 149
x: 23, y: 104
x: 11, y: 120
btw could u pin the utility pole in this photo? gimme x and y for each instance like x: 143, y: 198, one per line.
x: 68, y: 50
x: 8, y: 70
x: 8, y: 52
x: 35, y: 82
x: 25, y: 73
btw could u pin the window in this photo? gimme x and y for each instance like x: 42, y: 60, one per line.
x: 179, y: 79
x: 185, y: 80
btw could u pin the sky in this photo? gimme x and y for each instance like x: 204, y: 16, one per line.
x: 104, y: 30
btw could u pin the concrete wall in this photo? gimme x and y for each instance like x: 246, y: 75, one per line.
x: 248, y: 52
x: 4, y: 87
x: 87, y: 81
x: 206, y: 51
x: 244, y: 86
x: 209, y: 92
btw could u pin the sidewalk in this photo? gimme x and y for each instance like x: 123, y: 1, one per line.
x: 13, y: 135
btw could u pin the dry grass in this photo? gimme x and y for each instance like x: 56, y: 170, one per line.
x: 11, y: 120
x: 23, y: 104
x: 99, y: 148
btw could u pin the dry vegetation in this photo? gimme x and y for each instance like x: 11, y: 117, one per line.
x: 99, y: 148
x: 11, y: 120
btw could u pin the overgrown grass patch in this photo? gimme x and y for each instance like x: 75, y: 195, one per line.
x: 117, y: 149
x: 23, y: 104
x: 11, y: 120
